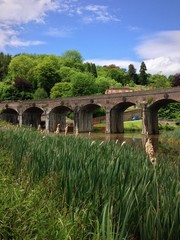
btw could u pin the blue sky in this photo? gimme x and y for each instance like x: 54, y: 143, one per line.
x: 104, y: 31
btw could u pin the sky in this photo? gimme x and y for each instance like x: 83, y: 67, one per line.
x: 104, y: 32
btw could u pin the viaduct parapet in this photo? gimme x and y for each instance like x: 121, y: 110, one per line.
x: 55, y: 111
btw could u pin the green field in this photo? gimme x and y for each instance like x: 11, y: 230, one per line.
x: 128, y: 125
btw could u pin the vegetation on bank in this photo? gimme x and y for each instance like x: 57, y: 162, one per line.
x: 57, y: 187
x: 133, y: 126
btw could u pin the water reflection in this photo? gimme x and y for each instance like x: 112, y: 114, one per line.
x: 161, y: 147
x: 136, y: 139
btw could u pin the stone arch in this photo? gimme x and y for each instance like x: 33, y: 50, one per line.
x: 85, y: 117
x: 116, y: 116
x: 32, y: 116
x: 58, y: 115
x: 153, y: 114
x: 9, y: 115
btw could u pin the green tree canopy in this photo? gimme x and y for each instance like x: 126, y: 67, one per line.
x: 46, y: 73
x: 7, y: 91
x: 61, y: 89
x: 20, y: 66
x: 73, y: 55
x: 159, y: 81
x: 104, y: 83
x: 132, y: 74
x: 91, y: 68
x: 4, y: 63
x: 83, y: 84
x: 40, y: 93
x: 142, y: 74
x: 176, y: 80
x: 66, y: 73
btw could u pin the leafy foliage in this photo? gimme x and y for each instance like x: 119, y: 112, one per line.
x: 83, y: 84
x: 4, y: 63
x: 40, y: 93
x: 132, y: 73
x: 171, y: 111
x: 61, y: 89
x: 28, y: 72
x: 176, y: 80
x: 159, y: 81
x: 143, y: 74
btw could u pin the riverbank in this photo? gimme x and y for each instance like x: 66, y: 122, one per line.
x: 133, y: 126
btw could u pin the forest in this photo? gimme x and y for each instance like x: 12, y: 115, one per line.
x: 31, y: 76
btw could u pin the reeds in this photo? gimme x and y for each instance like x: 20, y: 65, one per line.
x: 100, y: 190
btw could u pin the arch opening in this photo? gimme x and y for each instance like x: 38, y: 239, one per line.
x: 9, y: 115
x: 117, y: 117
x: 61, y: 116
x: 86, y: 116
x: 32, y: 117
x: 153, y: 117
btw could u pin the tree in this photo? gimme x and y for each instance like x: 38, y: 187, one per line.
x: 176, y: 80
x: 20, y: 66
x: 116, y: 74
x: 171, y: 111
x: 40, y: 93
x: 143, y: 74
x: 83, y: 84
x: 22, y: 84
x: 66, y: 73
x: 104, y: 83
x: 4, y: 63
x: 159, y: 81
x: 132, y: 73
x: 73, y: 55
x: 72, y: 59
x: 61, y: 89
x: 91, y: 68
x: 24, y: 88
x: 46, y: 73
x: 8, y: 91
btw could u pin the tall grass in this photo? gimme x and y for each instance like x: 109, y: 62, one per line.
x: 87, y: 190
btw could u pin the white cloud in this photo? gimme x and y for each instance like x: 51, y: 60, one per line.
x: 96, y: 13
x: 10, y: 37
x: 164, y: 65
x: 161, y: 52
x: 16, y: 13
x: 21, y: 11
x: 165, y: 43
x: 88, y: 13
x: 161, y: 65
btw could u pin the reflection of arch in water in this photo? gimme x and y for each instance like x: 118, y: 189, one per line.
x: 9, y: 115
x: 32, y: 116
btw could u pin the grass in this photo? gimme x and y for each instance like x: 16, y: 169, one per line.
x: 128, y: 125
x: 57, y: 187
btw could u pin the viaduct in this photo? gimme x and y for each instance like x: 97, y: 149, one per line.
x: 55, y: 111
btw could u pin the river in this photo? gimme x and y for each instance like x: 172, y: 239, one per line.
x: 167, y: 149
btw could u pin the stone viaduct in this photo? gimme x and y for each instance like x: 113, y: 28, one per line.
x: 55, y: 111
